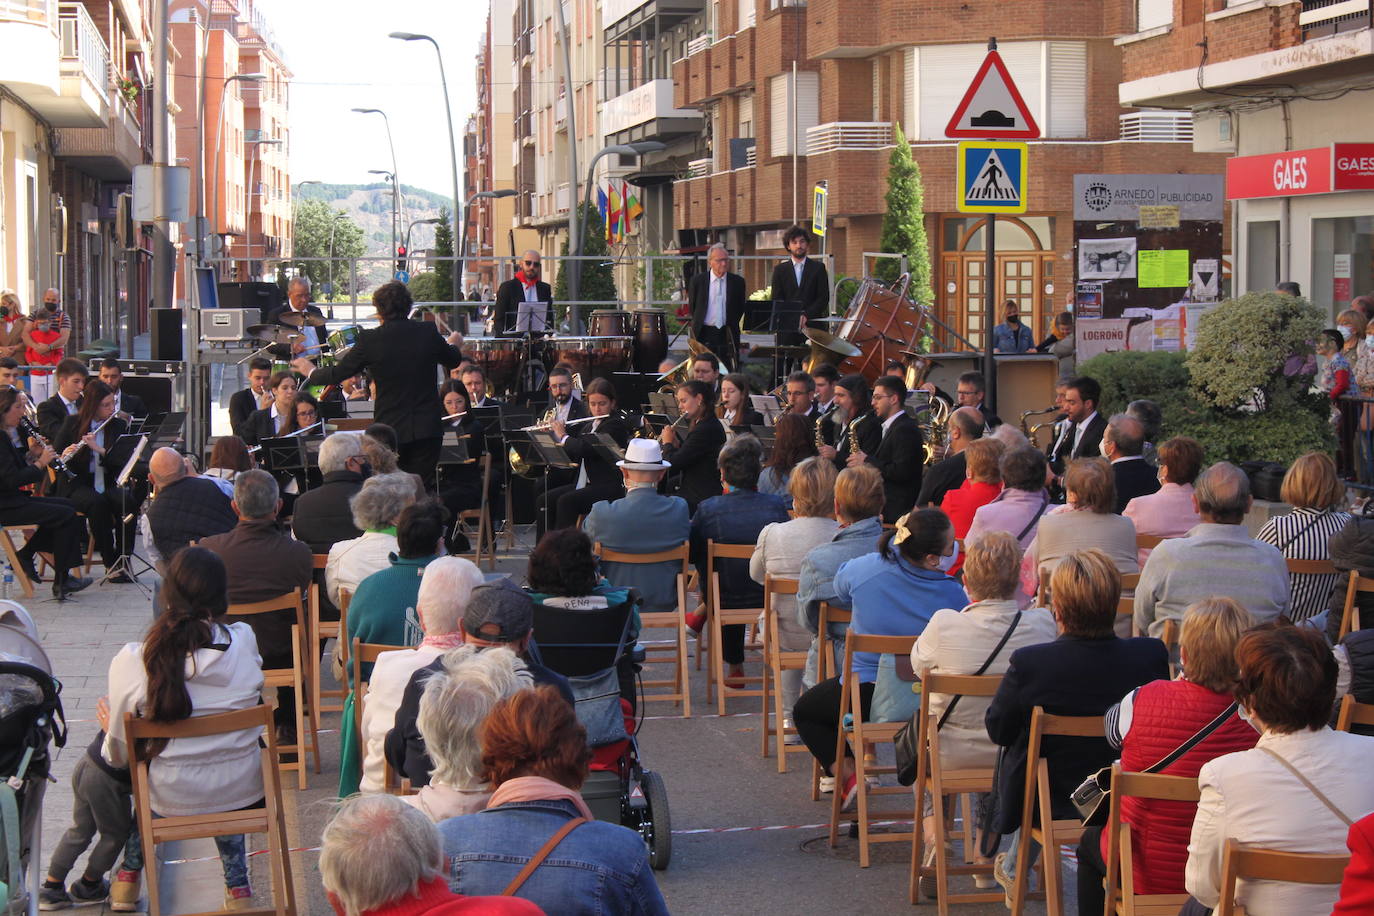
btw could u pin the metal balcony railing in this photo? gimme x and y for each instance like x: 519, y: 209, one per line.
x: 1320, y: 18
x: 82, y: 44
x: 846, y: 135
x: 1157, y: 127
x: 44, y: 11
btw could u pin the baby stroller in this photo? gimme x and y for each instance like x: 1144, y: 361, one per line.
x: 589, y: 648
x: 30, y: 719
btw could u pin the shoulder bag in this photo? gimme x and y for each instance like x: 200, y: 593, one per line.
x: 1091, y: 796
x: 541, y: 855
x: 904, y: 742
x: 1311, y: 788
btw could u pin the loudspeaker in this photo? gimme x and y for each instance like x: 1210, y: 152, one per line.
x: 154, y: 390
x: 166, y: 325
x: 262, y: 296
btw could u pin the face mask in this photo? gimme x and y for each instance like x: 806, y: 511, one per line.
x: 365, y: 469
x: 947, y: 562
x: 1369, y: 340
x: 1345, y: 331
x: 1012, y: 319
x: 1245, y: 714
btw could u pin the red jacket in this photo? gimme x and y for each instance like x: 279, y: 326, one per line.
x: 961, y: 504
x: 435, y: 899
x: 1357, y: 888
x: 1165, y: 714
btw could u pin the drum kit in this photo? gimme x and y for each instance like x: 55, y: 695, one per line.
x: 616, y: 341
x: 337, y: 342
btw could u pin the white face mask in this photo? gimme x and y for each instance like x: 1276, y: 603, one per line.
x: 1245, y: 714
x: 1369, y: 340
x: 948, y: 560
x: 1345, y: 331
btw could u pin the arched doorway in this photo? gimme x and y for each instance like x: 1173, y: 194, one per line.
x: 1025, y: 270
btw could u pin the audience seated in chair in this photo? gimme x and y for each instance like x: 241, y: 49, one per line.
x: 1086, y: 520
x: 187, y: 507
x: 376, y: 508
x: 982, y: 461
x: 1169, y: 512
x: 1317, y: 495
x: 1357, y: 887
x: 1123, y: 444
x: 1023, y: 501
x: 322, y: 516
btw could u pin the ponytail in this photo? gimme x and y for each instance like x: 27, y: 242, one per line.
x: 195, y: 595
x: 918, y: 534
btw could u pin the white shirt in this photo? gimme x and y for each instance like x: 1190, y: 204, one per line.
x: 309, y: 336
x: 278, y: 420
x: 799, y: 267
x: 887, y: 424
x: 95, y: 459
x: 561, y: 411
x: 715, y: 302
x: 1080, y: 429
x: 390, y: 675
x: 71, y: 406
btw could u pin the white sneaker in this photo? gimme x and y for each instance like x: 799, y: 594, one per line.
x: 827, y: 785
x: 790, y: 736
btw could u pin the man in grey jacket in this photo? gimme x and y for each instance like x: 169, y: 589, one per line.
x: 858, y: 505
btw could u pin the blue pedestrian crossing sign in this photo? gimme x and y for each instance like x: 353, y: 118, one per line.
x: 991, y: 177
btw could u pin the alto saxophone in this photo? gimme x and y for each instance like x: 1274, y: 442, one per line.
x: 820, y: 432
x: 854, y: 434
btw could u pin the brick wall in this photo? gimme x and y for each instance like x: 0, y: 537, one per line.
x: 1252, y: 32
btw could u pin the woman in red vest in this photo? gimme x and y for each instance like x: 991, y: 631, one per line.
x: 1149, y: 725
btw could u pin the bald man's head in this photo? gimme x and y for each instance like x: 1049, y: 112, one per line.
x: 529, y: 264
x: 166, y: 466
x: 1222, y: 494
x: 1126, y: 434
x: 970, y: 423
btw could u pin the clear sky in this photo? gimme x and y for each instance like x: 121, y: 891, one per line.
x: 342, y: 59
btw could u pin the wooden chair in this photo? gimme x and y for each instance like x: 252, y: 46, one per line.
x: 486, y: 538
x: 351, y: 424
x: 1122, y: 900
x: 1241, y: 860
x: 1148, y: 541
x: 296, y: 677
x: 1170, y: 637
x: 1353, y: 713
x: 862, y: 734
x: 1125, y: 604
x: 723, y: 617
x: 1051, y: 834
x: 933, y: 777
x: 825, y: 659
x: 679, y: 684
x: 1042, y: 592
x: 321, y: 631
x: 776, y: 660
x: 364, y: 653
x: 12, y: 555
x: 1349, y: 620
x: 268, y: 820
x: 1311, y: 567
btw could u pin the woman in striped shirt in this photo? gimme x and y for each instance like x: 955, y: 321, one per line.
x: 1317, y: 496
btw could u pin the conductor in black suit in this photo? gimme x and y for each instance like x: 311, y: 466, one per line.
x: 402, y: 357
x: 899, y: 455
x: 800, y: 282
x: 1123, y: 444
x: 718, y: 301
x: 507, y: 319
x: 297, y: 306
x: 1081, y: 434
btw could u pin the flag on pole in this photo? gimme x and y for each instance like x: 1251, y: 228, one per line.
x: 615, y: 208
x: 601, y: 204
x: 633, y: 209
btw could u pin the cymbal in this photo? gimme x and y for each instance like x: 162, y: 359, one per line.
x: 830, y: 342
x: 811, y: 321
x: 303, y: 319
x: 271, y: 333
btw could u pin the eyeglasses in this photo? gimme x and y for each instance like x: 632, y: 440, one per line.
x: 531, y: 263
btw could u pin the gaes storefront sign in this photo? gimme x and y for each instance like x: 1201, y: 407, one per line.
x: 1321, y: 170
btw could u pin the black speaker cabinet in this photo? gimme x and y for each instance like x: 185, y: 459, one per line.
x: 261, y: 296
x: 165, y: 327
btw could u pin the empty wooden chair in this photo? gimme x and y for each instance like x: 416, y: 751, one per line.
x: 1122, y: 900
x: 267, y: 820
x: 1242, y: 860
x: 1349, y: 619
x: 723, y: 617
x: 675, y: 621
x: 776, y: 660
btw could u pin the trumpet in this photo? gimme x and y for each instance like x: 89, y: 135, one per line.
x: 75, y: 448
x: 547, y: 423
x: 29, y: 428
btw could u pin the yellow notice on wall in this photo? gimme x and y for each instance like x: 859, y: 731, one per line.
x: 1163, y: 268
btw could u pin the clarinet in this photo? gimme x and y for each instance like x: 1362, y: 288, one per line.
x: 30, y: 429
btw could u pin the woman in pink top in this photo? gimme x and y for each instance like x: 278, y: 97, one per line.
x: 980, y: 487
x: 1169, y: 513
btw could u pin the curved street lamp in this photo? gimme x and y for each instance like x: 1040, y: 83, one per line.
x: 219, y: 133
x: 395, y: 173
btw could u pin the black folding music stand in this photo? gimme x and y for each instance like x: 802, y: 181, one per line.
x: 607, y: 448
x: 286, y: 453
x: 632, y: 389
x: 454, y: 449
x: 137, y: 447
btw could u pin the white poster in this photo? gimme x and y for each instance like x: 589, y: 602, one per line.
x: 1100, y: 335
x: 1106, y: 259
x: 1206, y: 279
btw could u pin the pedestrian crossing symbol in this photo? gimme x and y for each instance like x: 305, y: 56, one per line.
x: 992, y: 177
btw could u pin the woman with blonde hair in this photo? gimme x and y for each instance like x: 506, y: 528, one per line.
x: 781, y: 548
x: 1085, y: 521
x: 1317, y: 496
x: 12, y: 323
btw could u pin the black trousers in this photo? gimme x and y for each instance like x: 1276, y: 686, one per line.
x: 59, y: 530
x: 556, y: 482
x: 420, y: 457
x: 1092, y: 896
x: 113, y: 537
x: 817, y: 717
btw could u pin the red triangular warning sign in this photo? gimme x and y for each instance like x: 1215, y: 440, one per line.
x: 992, y: 108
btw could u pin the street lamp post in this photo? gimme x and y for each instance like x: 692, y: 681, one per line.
x: 391, y: 177
x: 638, y: 148
x: 248, y: 198
x: 480, y: 195
x: 395, y: 176
x: 295, y: 205
x: 219, y: 133
x: 405, y: 239
x: 452, y: 145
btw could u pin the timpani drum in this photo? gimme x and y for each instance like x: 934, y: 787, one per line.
x: 610, y: 323
x: 500, y: 359
x: 651, y: 339
x: 590, y: 357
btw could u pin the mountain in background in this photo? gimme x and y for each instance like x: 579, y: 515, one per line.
x: 369, y: 205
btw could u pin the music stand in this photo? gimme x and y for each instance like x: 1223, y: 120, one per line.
x: 607, y: 448
x: 454, y: 449
x: 284, y: 453
x: 663, y: 402
x: 767, y: 405
x: 765, y: 434
x: 127, y: 554
x: 634, y: 388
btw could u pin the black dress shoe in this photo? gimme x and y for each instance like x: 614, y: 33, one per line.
x: 26, y: 566
x: 72, y: 585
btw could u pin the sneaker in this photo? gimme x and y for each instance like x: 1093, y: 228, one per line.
x: 84, y: 894
x: 984, y: 882
x: 1008, y: 882
x: 238, y: 898
x: 789, y: 733
x: 695, y: 621
x: 851, y: 793
x: 53, y: 898
x: 827, y: 784
x: 124, y: 891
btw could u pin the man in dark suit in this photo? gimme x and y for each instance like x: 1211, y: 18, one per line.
x: 475, y: 381
x: 402, y: 357
x: 972, y: 389
x: 800, y: 282
x: 965, y: 425
x: 321, y: 517
x: 243, y: 404
x: 296, y: 308
x: 508, y: 318
x: 52, y: 413
x: 1081, y: 435
x: 899, y: 454
x: 1123, y: 444
x: 718, y: 300
x: 852, y: 408
x: 131, y: 404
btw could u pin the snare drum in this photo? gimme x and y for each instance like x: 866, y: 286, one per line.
x: 500, y: 359
x: 610, y: 323
x: 591, y: 357
x: 280, y: 365
x: 651, y: 339
x: 339, y: 341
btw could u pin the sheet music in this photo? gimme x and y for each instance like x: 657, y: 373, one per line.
x: 532, y: 317
x: 133, y: 461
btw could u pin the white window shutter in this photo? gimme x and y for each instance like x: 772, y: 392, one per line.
x: 1068, y: 90
x: 746, y: 116
x: 1150, y: 14
x: 808, y: 105
x: 911, y: 89
x: 746, y: 13
x: 779, y: 115
x: 943, y: 75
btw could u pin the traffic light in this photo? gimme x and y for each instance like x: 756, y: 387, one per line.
x: 400, y: 258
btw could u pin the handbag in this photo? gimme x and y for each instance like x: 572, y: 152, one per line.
x: 904, y: 742
x: 541, y: 855
x: 1090, y: 796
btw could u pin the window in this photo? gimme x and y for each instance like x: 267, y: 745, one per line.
x: 746, y: 116
x: 780, y: 111
x: 1261, y: 255
x: 1342, y: 252
x: 1151, y: 14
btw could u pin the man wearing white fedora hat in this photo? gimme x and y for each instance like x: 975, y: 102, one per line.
x: 642, y: 521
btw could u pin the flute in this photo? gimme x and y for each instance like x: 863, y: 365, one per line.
x: 75, y: 448
x: 254, y: 449
x: 525, y: 429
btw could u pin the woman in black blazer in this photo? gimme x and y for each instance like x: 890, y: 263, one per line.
x: 460, y: 485
x: 737, y: 413
x: 1084, y: 672
x: 59, y: 528
x: 604, y: 481
x: 85, y: 442
x: 279, y: 417
x: 694, y: 475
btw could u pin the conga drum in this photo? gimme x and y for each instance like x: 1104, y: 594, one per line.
x: 610, y: 323
x: 651, y: 339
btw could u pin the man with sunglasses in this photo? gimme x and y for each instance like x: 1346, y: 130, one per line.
x: 524, y: 304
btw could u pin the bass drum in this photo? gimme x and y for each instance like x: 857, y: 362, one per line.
x: 883, y: 324
x: 610, y: 323
x: 651, y: 339
x: 590, y: 357
x: 500, y: 359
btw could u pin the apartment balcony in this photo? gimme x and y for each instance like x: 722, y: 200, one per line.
x: 560, y: 111
x: 55, y: 61
x: 713, y: 69
x: 85, y: 67
x: 621, y: 18
x: 717, y: 200
x: 647, y: 112
x: 1157, y: 127
x: 848, y: 135
x: 108, y: 153
x: 562, y: 198
x: 1320, y: 18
